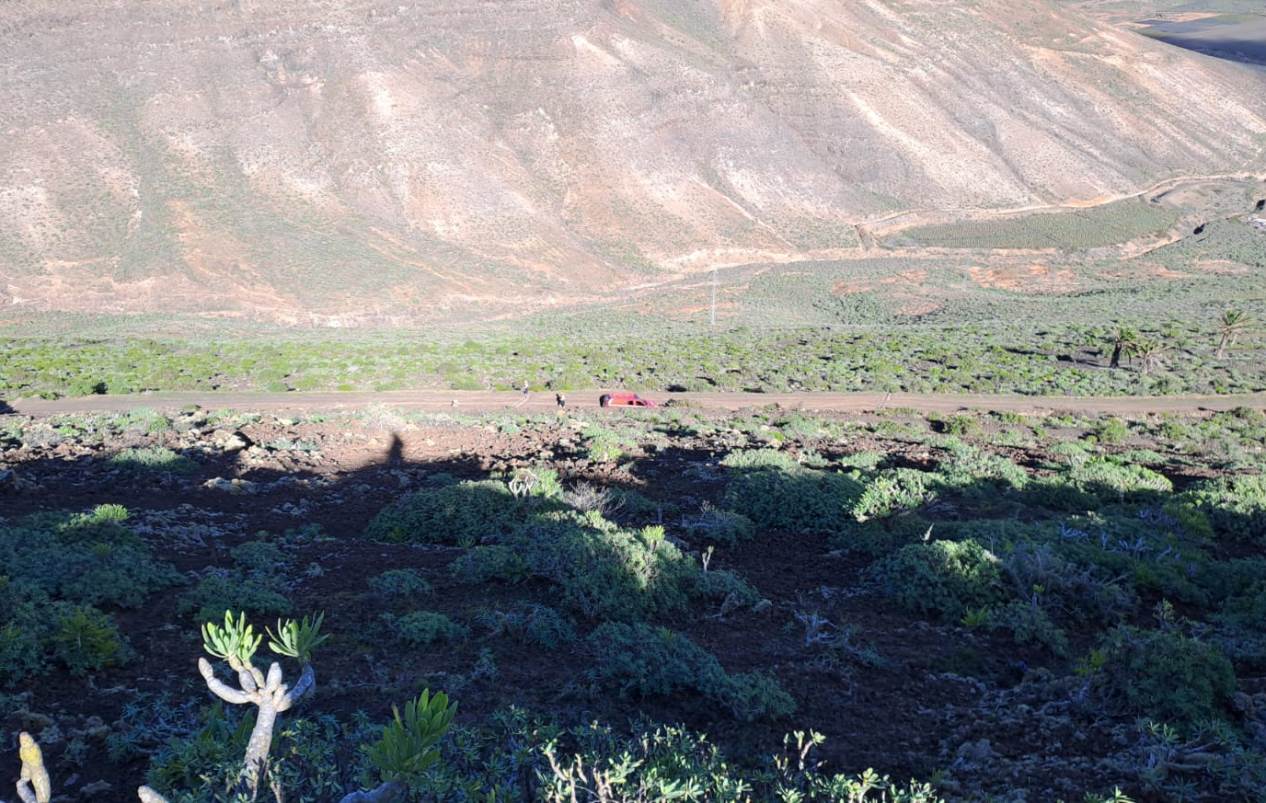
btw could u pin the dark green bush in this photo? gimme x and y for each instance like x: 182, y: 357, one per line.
x: 1163, y: 675
x: 35, y: 628
x: 1241, y: 626
x: 467, y: 511
x: 198, y: 767
x: 1109, y: 479
x: 59, y: 567
x: 26, y: 622
x: 400, y: 584
x: 234, y: 591
x: 722, y: 585
x: 1235, y: 506
x: 536, y: 624
x: 714, y: 526
x: 90, y: 558
x: 802, y: 500
x: 752, y: 696
x: 85, y: 639
x: 260, y: 558
x: 639, y: 660
x: 892, y: 492
x: 1028, y: 623
x: 1113, y: 430
x: 153, y: 459
x: 604, y: 571
x: 21, y: 652
x: 961, y: 425
x: 944, y: 578
x: 761, y: 458
x: 484, y: 563
x: 420, y: 628
x: 975, y: 471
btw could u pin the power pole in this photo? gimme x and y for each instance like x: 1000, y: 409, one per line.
x: 712, y: 316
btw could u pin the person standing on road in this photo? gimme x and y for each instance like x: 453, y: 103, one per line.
x: 560, y: 400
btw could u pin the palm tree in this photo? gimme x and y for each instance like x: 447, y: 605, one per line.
x: 1123, y: 340
x: 1150, y: 352
x: 1232, y: 323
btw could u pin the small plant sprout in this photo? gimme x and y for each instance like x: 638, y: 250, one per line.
x: 236, y: 643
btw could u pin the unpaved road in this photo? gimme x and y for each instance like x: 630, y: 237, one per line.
x: 484, y: 401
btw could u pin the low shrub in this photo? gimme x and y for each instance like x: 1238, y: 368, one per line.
x: 1082, y: 593
x: 35, y: 629
x: 230, y: 590
x: 892, y: 492
x: 604, y: 571
x: 639, y: 660
x: 604, y: 445
x: 260, y: 558
x: 802, y: 500
x: 1108, y: 478
x: 961, y: 425
x: 85, y: 639
x: 866, y: 461
x: 942, y: 578
x: 1162, y: 674
x: 153, y: 458
x: 761, y: 458
x: 714, y: 526
x: 420, y: 628
x: 466, y: 511
x: 400, y: 584
x: 198, y: 767
x: 974, y: 470
x: 726, y: 587
x: 1234, y: 506
x: 536, y: 624
x: 25, y: 627
x: 89, y: 558
x: 484, y: 563
x: 1112, y: 430
x: 1028, y: 623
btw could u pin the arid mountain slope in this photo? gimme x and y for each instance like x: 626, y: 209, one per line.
x: 366, y: 160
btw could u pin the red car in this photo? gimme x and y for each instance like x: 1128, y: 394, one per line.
x: 624, y: 400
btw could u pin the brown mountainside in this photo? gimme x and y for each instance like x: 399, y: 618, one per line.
x: 367, y: 160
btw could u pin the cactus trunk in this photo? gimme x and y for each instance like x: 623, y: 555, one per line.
x: 257, y: 748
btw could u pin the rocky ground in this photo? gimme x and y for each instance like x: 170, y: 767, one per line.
x: 915, y: 697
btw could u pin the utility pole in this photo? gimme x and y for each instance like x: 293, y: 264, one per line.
x: 712, y: 316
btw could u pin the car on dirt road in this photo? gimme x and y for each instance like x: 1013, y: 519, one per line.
x: 624, y: 399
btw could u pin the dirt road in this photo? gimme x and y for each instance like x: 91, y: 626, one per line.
x: 484, y: 401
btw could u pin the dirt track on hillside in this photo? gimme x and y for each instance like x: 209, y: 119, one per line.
x: 486, y: 401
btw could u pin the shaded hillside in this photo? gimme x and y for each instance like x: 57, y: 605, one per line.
x: 377, y: 161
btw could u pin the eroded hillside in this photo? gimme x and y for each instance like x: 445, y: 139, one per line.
x: 377, y: 161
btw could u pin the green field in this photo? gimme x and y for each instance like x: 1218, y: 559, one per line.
x: 1097, y: 227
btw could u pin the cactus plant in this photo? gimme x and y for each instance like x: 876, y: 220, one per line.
x: 406, y: 749
x: 236, y: 643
